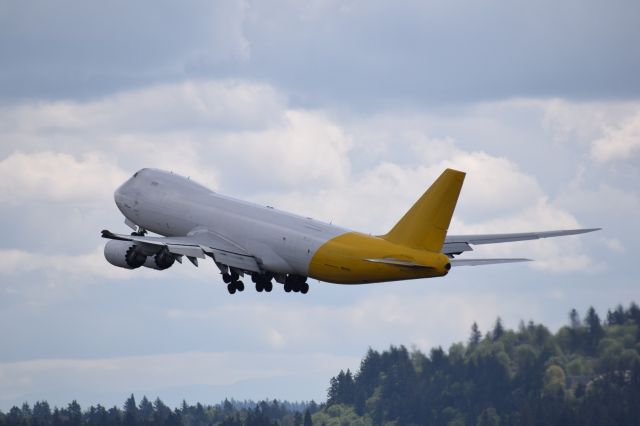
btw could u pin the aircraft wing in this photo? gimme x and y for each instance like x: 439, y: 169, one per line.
x: 456, y: 244
x: 197, y: 245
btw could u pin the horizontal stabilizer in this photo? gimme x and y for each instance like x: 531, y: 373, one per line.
x: 480, y: 262
x: 400, y: 263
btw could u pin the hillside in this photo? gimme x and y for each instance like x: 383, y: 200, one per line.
x: 588, y: 373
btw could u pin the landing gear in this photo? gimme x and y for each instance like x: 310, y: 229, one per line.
x: 235, y: 286
x: 297, y: 284
x: 263, y: 283
x: 233, y: 282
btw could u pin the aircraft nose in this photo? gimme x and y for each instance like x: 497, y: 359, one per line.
x: 123, y: 197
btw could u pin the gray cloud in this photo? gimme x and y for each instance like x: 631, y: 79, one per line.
x: 355, y: 53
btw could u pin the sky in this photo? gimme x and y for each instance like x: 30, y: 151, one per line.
x: 345, y: 111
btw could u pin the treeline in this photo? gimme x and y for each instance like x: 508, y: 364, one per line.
x: 229, y: 413
x: 588, y: 373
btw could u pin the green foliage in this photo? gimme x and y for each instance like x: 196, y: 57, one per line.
x: 588, y: 373
x: 264, y: 413
x: 528, y: 376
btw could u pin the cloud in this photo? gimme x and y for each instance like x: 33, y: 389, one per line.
x: 80, y: 50
x: 307, y: 148
x: 621, y: 143
x: 57, y: 177
x: 65, y: 267
x: 363, y: 53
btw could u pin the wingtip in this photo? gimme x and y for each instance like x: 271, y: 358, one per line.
x: 586, y: 230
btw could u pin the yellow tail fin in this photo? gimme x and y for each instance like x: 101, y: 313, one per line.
x: 425, y: 225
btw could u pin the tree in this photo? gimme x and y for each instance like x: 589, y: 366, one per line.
x: 594, y: 330
x: 307, y: 418
x: 617, y: 317
x: 475, y: 336
x: 634, y: 313
x: 42, y: 413
x: 554, y: 380
x: 161, y: 412
x: 130, y: 411
x: 145, y: 412
x: 574, y: 319
x: 75, y: 413
x: 498, y: 330
x: 488, y: 417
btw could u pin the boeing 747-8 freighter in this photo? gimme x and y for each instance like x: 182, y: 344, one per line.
x: 267, y: 244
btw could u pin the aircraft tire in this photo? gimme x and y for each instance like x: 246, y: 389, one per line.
x: 268, y: 287
x: 226, y: 278
x: 259, y: 287
x: 287, y: 287
x: 240, y: 285
x: 231, y: 288
x: 304, y: 288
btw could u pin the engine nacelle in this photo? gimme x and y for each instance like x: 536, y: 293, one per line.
x: 124, y: 254
x: 160, y: 261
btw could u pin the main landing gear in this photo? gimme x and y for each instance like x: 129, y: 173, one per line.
x: 233, y: 282
x: 292, y: 283
x: 297, y: 284
x: 263, y: 283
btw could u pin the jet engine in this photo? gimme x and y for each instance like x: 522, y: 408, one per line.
x: 124, y: 254
x: 161, y: 260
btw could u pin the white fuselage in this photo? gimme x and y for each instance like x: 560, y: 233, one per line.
x: 172, y: 206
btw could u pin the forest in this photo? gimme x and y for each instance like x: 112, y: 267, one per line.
x: 587, y: 373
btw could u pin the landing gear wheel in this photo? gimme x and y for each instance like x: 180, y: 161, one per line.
x: 226, y: 278
x: 239, y: 285
x: 287, y: 287
x: 304, y: 288
x: 259, y: 287
x: 231, y: 288
x: 268, y: 287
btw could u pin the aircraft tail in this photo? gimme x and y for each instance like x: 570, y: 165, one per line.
x: 425, y: 225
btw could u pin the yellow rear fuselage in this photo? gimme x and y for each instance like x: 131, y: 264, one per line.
x: 355, y: 258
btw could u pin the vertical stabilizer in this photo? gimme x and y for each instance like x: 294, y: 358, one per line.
x: 425, y: 225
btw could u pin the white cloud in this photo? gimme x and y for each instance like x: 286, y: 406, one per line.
x: 211, y: 105
x: 615, y: 245
x: 64, y: 267
x: 619, y: 143
x: 58, y: 177
x: 306, y: 147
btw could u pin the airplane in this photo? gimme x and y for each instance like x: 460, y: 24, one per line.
x: 266, y: 244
